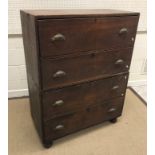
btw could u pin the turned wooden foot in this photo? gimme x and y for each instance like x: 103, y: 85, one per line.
x: 114, y: 120
x: 47, y: 144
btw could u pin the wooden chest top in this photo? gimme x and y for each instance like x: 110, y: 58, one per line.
x: 78, y: 12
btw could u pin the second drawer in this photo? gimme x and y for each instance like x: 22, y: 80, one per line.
x: 70, y: 70
x: 61, y: 101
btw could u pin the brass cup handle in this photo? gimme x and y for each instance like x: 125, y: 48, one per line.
x: 59, y: 127
x: 115, y: 87
x: 58, y: 74
x: 123, y: 31
x: 119, y: 62
x: 112, y: 110
x: 58, y: 103
x: 58, y: 37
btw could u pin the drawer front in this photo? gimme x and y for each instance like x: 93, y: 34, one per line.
x: 116, y: 32
x: 70, y: 70
x: 92, y: 115
x: 64, y: 36
x: 61, y: 101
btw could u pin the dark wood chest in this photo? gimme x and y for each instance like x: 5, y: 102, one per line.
x: 77, y: 67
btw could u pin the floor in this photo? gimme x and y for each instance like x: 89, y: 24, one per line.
x: 126, y: 137
x: 142, y: 91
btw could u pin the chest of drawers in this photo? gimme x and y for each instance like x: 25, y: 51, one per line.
x: 77, y: 67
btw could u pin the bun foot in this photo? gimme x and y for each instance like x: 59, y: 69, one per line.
x: 114, y: 120
x: 47, y: 144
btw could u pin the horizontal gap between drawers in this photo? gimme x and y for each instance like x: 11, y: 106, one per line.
x: 82, y: 53
x: 83, y: 81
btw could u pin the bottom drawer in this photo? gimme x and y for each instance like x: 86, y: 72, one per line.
x: 84, y: 118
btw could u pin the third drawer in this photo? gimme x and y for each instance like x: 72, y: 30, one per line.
x: 61, y: 101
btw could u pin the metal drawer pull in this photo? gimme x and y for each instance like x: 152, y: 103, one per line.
x: 123, y: 30
x: 58, y: 103
x: 112, y: 110
x: 119, y: 62
x: 59, y: 127
x: 115, y: 87
x: 59, y: 74
x: 58, y: 37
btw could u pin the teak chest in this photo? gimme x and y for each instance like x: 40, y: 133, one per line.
x: 77, y: 67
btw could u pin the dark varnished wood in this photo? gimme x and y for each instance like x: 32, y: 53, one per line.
x: 32, y: 68
x: 80, y: 96
x: 84, y: 40
x: 114, y: 120
x: 93, y: 33
x: 108, y: 34
x: 74, y: 13
x: 84, y: 118
x: 77, y: 65
x: 47, y: 143
x: 86, y: 67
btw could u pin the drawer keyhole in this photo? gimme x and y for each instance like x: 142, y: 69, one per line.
x: 92, y: 55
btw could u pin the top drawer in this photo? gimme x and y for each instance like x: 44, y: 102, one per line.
x: 72, y: 35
